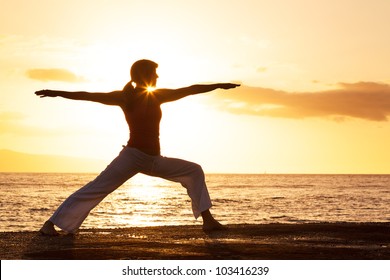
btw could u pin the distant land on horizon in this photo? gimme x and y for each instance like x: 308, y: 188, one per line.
x: 12, y: 161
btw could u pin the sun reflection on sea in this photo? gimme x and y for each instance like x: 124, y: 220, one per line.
x: 142, y: 201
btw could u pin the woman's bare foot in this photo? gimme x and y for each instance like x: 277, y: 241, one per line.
x: 211, y: 224
x: 48, y: 229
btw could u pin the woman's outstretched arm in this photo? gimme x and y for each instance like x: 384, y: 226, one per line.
x: 108, y: 98
x: 168, y: 95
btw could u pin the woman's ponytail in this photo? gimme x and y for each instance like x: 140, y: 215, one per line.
x: 129, y: 88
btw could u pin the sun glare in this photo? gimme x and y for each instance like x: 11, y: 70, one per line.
x: 150, y: 89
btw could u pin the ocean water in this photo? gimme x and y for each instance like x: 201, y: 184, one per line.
x: 28, y: 199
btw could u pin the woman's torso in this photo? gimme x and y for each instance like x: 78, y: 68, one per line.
x: 143, y: 114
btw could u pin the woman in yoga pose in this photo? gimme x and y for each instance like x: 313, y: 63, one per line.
x: 140, y: 103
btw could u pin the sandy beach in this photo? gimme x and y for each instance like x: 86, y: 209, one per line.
x: 319, y: 241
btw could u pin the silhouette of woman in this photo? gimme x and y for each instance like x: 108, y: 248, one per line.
x: 141, y: 107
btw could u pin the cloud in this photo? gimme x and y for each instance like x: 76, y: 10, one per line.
x: 364, y: 100
x: 54, y: 74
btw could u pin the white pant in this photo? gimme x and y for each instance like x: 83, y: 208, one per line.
x: 73, y: 211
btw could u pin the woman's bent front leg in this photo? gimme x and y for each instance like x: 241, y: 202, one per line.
x: 190, y: 175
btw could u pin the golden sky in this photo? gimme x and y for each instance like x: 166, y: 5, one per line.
x: 315, y: 95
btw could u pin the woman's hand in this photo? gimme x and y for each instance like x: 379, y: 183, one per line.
x: 46, y: 93
x: 228, y: 86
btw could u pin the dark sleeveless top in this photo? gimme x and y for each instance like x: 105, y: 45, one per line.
x: 143, y: 114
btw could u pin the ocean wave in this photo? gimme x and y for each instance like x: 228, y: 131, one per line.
x: 277, y: 197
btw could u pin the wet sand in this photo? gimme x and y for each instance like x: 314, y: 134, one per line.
x: 319, y: 241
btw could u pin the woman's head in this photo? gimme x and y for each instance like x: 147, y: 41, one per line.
x: 143, y: 73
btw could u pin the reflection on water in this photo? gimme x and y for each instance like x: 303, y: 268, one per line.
x: 144, y: 201
x: 29, y: 199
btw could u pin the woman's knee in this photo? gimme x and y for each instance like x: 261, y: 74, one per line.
x: 197, y: 171
x: 194, y: 167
